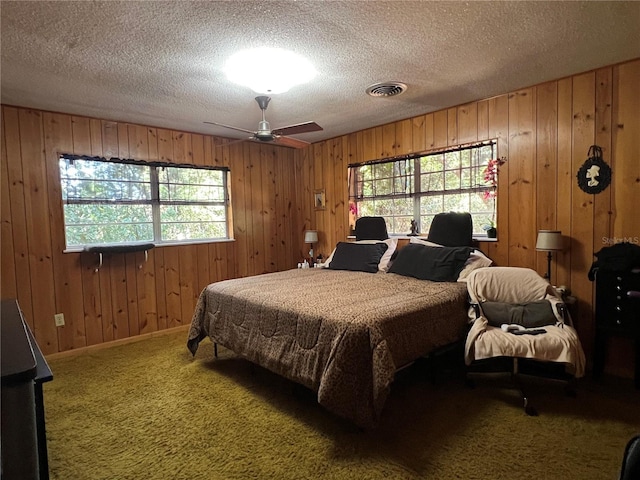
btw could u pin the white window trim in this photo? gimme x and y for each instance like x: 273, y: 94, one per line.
x: 154, y: 201
x: 414, y: 192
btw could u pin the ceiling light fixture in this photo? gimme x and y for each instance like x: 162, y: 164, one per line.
x: 268, y: 70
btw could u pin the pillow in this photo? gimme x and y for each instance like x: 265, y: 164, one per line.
x: 529, y: 315
x: 358, y: 257
x: 476, y: 259
x: 439, y: 264
x: 385, y: 261
x: 422, y: 241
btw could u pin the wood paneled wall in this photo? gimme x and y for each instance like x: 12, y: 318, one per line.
x: 128, y: 295
x: 545, y: 132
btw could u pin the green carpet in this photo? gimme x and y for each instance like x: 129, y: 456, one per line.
x: 147, y: 410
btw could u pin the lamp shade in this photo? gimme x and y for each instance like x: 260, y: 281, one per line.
x: 311, y: 236
x: 549, y: 240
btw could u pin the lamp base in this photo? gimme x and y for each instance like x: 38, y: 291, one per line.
x: 548, y: 274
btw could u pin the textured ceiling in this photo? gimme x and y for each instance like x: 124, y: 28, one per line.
x: 159, y: 63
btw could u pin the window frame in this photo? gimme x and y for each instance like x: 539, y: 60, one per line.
x: 154, y: 200
x: 415, y: 193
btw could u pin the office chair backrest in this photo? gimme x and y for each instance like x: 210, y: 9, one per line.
x: 631, y: 460
x: 452, y: 229
x: 507, y: 284
x: 371, y: 228
x: 512, y: 285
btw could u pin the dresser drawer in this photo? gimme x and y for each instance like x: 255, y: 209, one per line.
x: 618, y: 301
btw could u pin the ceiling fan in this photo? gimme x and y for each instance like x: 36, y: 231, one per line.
x: 277, y: 135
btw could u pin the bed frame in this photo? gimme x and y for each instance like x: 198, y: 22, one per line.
x: 346, y: 348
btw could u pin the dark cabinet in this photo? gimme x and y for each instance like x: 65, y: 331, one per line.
x: 617, y: 313
x: 24, y: 370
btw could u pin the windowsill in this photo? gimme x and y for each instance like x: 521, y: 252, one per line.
x: 479, y: 238
x: 195, y: 242
x: 119, y: 248
x: 158, y: 245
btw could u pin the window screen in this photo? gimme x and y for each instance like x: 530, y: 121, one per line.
x: 125, y: 201
x: 418, y: 187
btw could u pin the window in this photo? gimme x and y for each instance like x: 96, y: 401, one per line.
x: 420, y: 186
x: 109, y: 202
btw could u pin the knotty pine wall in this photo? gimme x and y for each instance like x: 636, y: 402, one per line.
x: 545, y: 132
x: 129, y: 296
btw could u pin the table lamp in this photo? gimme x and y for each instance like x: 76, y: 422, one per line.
x: 311, y: 236
x: 549, y: 241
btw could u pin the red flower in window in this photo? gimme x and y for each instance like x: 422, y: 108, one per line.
x: 490, y: 176
x: 490, y: 173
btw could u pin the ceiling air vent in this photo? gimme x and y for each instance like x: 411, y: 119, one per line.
x: 386, y: 89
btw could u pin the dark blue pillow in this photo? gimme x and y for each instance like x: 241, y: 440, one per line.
x: 358, y: 257
x: 439, y: 264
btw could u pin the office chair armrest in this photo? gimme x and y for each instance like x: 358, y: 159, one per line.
x: 562, y: 309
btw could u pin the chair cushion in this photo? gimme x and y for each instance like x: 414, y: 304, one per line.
x: 529, y: 315
x: 558, y: 344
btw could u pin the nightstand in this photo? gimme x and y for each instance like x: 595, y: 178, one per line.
x: 617, y: 314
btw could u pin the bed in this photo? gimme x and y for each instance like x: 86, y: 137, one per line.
x: 343, y: 333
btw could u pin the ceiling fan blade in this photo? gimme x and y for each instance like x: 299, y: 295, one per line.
x: 298, y: 128
x: 229, y: 126
x: 290, y: 142
x: 233, y: 142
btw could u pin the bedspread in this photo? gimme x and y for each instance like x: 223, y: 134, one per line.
x: 342, y: 334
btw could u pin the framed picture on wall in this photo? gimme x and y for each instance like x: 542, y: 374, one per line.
x: 319, y: 200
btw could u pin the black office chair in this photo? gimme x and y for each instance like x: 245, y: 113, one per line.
x: 452, y: 229
x: 631, y: 460
x: 371, y: 228
x: 518, y: 297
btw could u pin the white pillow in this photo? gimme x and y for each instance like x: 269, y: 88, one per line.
x: 476, y: 260
x: 385, y: 261
x: 422, y: 241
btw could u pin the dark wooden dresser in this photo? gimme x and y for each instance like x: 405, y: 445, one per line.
x: 24, y: 370
x: 617, y: 313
